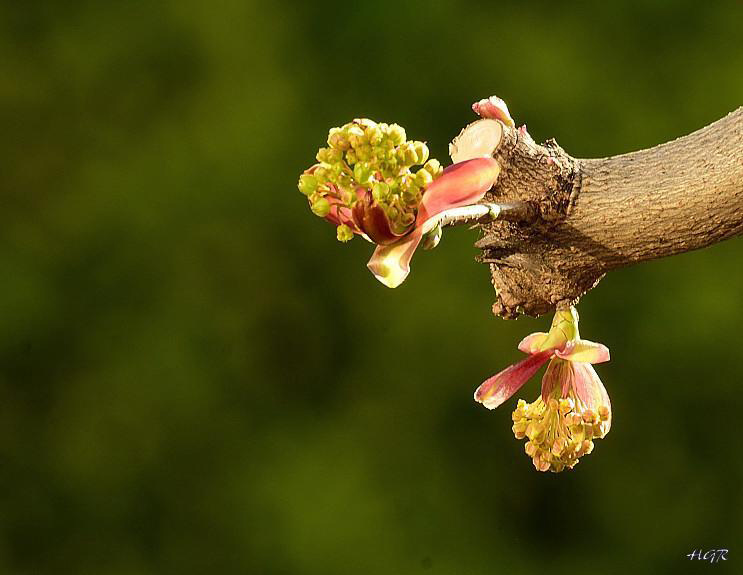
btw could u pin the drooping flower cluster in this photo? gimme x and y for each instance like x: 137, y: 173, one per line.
x: 364, y: 180
x: 573, y: 409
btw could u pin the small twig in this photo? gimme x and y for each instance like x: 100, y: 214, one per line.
x: 484, y: 213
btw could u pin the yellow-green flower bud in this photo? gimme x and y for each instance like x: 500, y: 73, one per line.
x: 406, y: 154
x: 345, y: 181
x: 410, y: 196
x: 322, y: 155
x: 346, y: 197
x: 374, y: 135
x: 356, y: 136
x: 337, y: 139
x: 421, y: 152
x: 351, y: 157
x: 362, y: 173
x: 396, y: 133
x: 380, y: 191
x: 343, y: 233
x: 364, y: 153
x: 320, y: 207
x: 321, y: 174
x: 433, y: 167
x: 423, y: 178
x: 407, y: 218
x: 337, y: 169
x: 307, y: 184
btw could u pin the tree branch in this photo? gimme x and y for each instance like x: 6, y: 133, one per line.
x: 593, y: 216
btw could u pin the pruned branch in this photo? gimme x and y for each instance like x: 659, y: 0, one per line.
x: 593, y: 216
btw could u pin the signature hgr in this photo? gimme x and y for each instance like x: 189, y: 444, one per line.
x: 712, y: 555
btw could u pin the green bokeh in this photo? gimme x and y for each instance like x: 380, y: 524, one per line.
x: 196, y: 377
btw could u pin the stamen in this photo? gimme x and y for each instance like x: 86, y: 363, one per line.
x: 604, y: 413
x: 560, y: 431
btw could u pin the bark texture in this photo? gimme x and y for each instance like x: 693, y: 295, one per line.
x: 597, y: 215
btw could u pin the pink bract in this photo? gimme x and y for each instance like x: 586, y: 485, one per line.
x: 460, y: 185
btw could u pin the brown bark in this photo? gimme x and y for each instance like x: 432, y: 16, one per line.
x: 597, y: 215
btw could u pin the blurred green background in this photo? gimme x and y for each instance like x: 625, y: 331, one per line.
x: 195, y: 377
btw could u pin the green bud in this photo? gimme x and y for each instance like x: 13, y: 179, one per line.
x: 379, y: 152
x: 421, y: 152
x: 337, y: 139
x: 410, y: 196
x: 396, y: 133
x: 320, y: 207
x: 329, y: 155
x: 332, y: 178
x: 403, y: 222
x: 334, y: 156
x: 433, y: 167
x: 351, y: 157
x: 364, y: 153
x: 361, y: 173
x: 346, y: 197
x: 374, y: 135
x: 423, y: 178
x: 356, y: 136
x: 406, y: 154
x: 380, y: 191
x: 322, y: 179
x: 343, y: 233
x: 345, y: 181
x: 307, y: 184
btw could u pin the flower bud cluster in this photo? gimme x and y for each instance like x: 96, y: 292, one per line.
x: 560, y: 431
x: 364, y: 157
